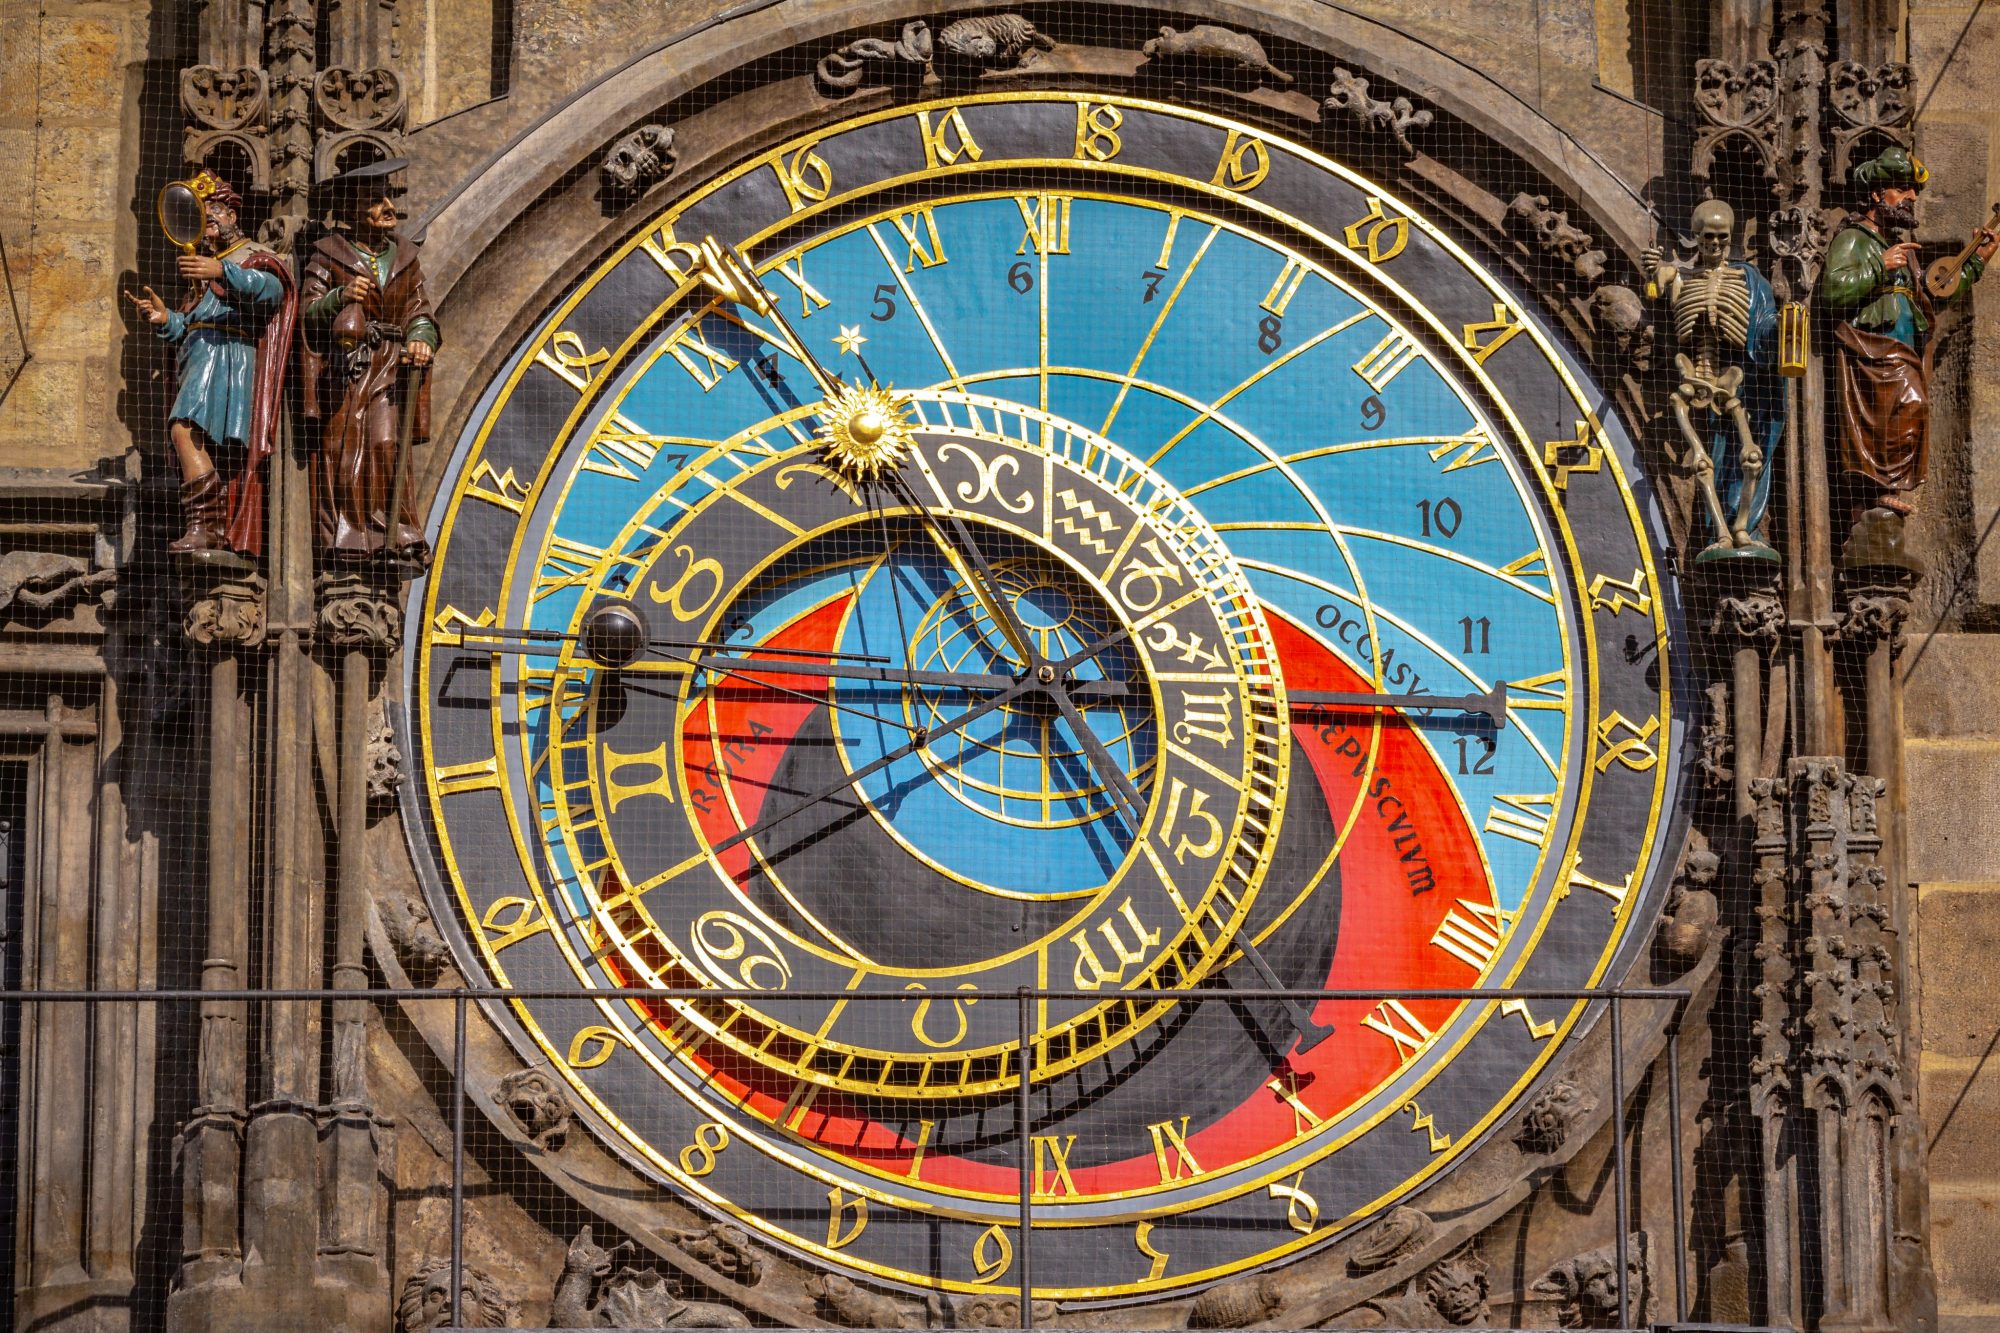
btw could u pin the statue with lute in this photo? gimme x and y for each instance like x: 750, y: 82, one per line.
x: 1946, y: 277
x: 1883, y: 335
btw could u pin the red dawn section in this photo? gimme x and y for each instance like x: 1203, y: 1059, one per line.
x: 1410, y: 859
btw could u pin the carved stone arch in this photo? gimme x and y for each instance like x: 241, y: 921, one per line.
x: 1875, y: 1088
x: 1828, y: 1094
x: 240, y: 156
x: 349, y: 148
x: 513, y: 233
x: 505, y: 245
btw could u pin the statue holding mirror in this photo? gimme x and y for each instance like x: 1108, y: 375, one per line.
x: 231, y: 332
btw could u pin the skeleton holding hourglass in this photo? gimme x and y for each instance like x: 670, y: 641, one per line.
x: 1727, y: 400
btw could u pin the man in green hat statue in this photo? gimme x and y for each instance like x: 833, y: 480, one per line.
x: 1873, y: 287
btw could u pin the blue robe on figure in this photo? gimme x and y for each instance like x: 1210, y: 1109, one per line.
x: 1762, y: 394
x: 215, y: 345
x: 232, y: 339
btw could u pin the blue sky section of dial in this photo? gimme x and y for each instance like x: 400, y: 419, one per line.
x: 1448, y: 614
x: 1069, y: 847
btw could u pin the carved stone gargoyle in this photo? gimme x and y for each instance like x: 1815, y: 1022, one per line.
x: 538, y: 1105
x: 842, y: 1302
x: 1215, y: 55
x: 636, y: 162
x: 425, y: 1303
x: 590, y: 1295
x: 1586, y: 1286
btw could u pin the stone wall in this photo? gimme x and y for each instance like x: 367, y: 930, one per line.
x: 71, y: 134
x: 1954, y: 746
x: 1959, y: 139
x: 1544, y: 52
x: 1953, y: 706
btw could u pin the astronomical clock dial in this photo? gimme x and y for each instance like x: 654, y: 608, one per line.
x: 964, y: 572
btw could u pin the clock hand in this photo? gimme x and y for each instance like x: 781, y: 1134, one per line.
x: 1311, y: 1032
x: 630, y: 644
x: 922, y: 739
x: 826, y: 699
x: 964, y: 680
x: 540, y: 642
x: 724, y: 271
x: 984, y: 586
x: 822, y: 654
x: 1493, y: 703
x: 918, y: 741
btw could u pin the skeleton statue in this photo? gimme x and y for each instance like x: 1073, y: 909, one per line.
x: 1725, y: 325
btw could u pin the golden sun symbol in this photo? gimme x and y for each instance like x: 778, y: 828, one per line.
x: 865, y: 431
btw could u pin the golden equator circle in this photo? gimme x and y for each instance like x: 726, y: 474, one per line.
x: 1192, y: 540
x: 952, y: 605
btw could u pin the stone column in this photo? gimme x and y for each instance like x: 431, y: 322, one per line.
x: 280, y: 1161
x: 227, y: 621
x: 1773, y: 1092
x: 1878, y: 604
x: 54, y: 1269
x: 358, y: 630
x: 289, y: 69
x: 1747, y: 623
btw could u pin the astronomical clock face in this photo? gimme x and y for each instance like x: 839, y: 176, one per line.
x: 1031, y: 542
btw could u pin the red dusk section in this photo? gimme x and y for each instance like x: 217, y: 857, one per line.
x: 1407, y: 861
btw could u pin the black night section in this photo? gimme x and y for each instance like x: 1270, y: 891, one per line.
x: 529, y: 422
x: 1167, y: 144
x: 1002, y: 130
x: 751, y: 202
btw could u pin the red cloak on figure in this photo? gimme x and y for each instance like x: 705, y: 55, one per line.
x: 244, y: 496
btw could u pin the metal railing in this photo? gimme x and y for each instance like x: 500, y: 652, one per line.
x: 1025, y: 998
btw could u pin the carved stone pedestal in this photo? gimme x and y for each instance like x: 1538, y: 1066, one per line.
x: 1746, y: 618
x: 225, y: 608
x: 1841, y: 1138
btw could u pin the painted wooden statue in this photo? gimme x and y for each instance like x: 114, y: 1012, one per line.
x: 1884, y: 312
x: 1726, y: 329
x: 231, y: 335
x: 369, y: 338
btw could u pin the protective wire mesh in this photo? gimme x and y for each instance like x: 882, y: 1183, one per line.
x: 1064, y: 651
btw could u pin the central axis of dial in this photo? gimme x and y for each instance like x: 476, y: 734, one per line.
x: 1072, y: 779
